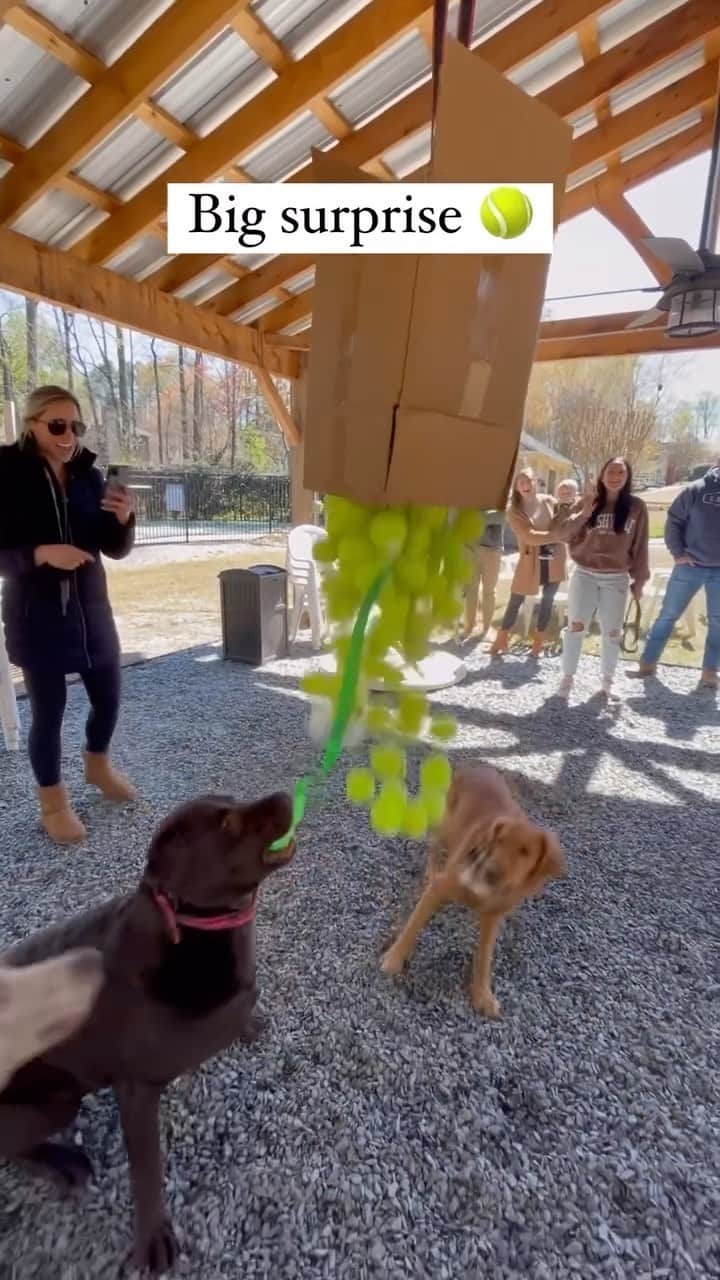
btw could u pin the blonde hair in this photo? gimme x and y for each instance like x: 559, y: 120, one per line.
x: 38, y: 400
x: 515, y: 499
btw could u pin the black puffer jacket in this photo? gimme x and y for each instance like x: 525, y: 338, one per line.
x: 54, y: 620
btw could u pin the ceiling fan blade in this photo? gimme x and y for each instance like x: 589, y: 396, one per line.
x: 645, y: 318
x: 677, y: 253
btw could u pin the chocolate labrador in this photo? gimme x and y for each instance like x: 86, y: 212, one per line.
x: 179, y: 958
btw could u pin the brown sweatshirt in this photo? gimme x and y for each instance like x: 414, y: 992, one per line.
x: 601, y: 550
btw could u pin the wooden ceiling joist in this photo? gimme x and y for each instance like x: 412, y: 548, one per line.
x: 48, y: 274
x: 621, y: 214
x: 625, y: 62
x: 354, y: 44
x: 160, y: 51
x: 634, y: 342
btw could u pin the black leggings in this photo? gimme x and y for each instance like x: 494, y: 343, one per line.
x: 47, y: 693
x: 549, y: 591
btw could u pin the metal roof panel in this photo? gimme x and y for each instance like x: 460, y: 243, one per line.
x: 220, y: 79
x: 105, y: 27
x: 35, y: 89
x: 287, y: 150
x: 131, y: 157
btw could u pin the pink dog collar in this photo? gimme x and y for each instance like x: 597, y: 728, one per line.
x: 208, y: 924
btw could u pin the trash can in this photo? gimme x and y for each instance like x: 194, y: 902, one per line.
x: 253, y: 606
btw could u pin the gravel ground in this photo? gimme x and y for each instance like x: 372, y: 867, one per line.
x: 385, y: 1129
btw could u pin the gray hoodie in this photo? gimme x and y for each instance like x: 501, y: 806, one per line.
x: 693, y: 522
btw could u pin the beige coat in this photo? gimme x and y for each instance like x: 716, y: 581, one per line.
x: 531, y: 536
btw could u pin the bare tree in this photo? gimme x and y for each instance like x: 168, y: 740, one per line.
x: 123, y: 389
x: 198, y: 405
x: 184, y: 414
x: 31, y: 336
x: 158, y: 401
x: 707, y: 412
x: 8, y: 382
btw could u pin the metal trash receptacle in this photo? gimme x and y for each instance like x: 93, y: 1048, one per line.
x: 253, y: 607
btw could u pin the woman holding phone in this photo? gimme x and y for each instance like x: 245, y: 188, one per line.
x: 56, y: 519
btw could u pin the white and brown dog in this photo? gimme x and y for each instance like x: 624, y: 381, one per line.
x: 487, y: 855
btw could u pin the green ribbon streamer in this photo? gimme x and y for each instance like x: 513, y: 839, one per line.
x: 343, y: 714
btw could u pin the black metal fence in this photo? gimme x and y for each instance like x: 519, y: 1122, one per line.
x: 207, y: 506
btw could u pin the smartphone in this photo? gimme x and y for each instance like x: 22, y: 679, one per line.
x: 117, y: 478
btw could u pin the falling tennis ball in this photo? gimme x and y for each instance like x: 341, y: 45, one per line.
x: 379, y: 720
x: 388, y: 532
x: 343, y: 516
x: 412, y: 574
x: 352, y: 550
x: 360, y: 786
x: 325, y: 551
x: 433, y: 517
x: 506, y: 212
x: 435, y: 773
x: 319, y: 684
x: 411, y: 712
x: 469, y: 525
x: 435, y: 804
x: 415, y: 822
x: 443, y: 728
x: 365, y: 575
x: 388, y: 761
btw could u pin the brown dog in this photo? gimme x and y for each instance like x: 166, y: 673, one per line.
x: 179, y: 958
x: 487, y: 855
x: 44, y: 1004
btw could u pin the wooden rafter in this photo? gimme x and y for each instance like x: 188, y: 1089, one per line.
x: 621, y: 214
x: 278, y: 407
x: 116, y: 93
x: 509, y: 48
x: 623, y: 63
x: 46, y: 273
x: 354, y: 44
x: 13, y: 152
x: 650, y: 341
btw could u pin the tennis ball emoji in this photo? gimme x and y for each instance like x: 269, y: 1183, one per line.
x: 506, y: 212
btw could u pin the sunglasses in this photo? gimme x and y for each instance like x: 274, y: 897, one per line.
x: 58, y: 426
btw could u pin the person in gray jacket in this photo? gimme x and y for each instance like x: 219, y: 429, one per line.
x: 487, y: 559
x: 692, y: 536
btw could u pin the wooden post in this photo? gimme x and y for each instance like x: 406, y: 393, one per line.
x: 9, y: 418
x: 301, y: 499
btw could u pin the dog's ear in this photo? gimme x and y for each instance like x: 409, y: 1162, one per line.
x: 551, y: 862
x: 499, y: 828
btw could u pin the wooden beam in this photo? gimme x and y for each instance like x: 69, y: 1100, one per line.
x: 57, y: 277
x: 641, y: 168
x: 663, y: 39
x: 257, y: 283
x: 620, y: 213
x: 592, y: 326
x: 298, y: 307
x: 636, y: 342
x: 13, y: 152
x: 168, y: 44
x: 672, y: 103
x: 357, y: 42
x: 509, y: 48
x: 278, y: 407
x: 43, y: 33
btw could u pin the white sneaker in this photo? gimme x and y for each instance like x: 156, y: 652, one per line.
x: 565, y: 687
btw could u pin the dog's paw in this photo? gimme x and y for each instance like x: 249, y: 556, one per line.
x: 392, y: 963
x: 486, y: 1003
x: 156, y: 1251
x: 64, y: 1164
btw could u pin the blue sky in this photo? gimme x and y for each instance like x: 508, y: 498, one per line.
x: 590, y: 255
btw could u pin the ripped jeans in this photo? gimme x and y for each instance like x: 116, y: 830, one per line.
x: 588, y: 591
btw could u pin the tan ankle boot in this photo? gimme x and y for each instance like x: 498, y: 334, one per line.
x: 709, y: 679
x: 100, y: 773
x: 644, y: 672
x: 538, y: 644
x: 58, y: 818
x: 502, y: 640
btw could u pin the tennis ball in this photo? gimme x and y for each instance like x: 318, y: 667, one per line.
x: 435, y: 773
x: 325, y: 551
x: 506, y: 212
x: 411, y: 713
x: 379, y: 720
x: 344, y: 516
x: 469, y: 525
x: 360, y: 786
x: 388, y: 761
x: 415, y: 823
x: 388, y: 811
x: 433, y: 517
x: 435, y: 803
x: 443, y: 728
x: 412, y: 574
x: 388, y: 532
x: 320, y: 684
x: 352, y: 550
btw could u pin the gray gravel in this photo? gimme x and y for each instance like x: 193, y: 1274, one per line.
x: 386, y: 1130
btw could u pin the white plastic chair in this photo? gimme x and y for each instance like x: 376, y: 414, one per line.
x: 303, y: 576
x: 658, y: 587
x: 8, y: 702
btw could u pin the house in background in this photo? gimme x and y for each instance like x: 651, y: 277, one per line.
x: 549, y: 466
